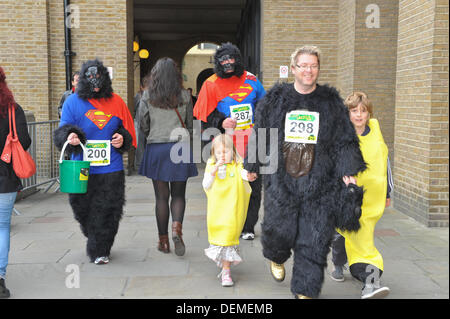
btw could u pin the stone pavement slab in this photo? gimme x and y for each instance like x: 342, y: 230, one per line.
x: 47, y: 245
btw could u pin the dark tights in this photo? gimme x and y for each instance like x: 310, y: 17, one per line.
x: 164, y: 190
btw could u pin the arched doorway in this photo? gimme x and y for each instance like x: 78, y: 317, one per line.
x: 202, y: 76
x: 197, y: 59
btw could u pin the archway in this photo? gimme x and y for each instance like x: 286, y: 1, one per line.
x: 202, y: 76
x: 197, y: 59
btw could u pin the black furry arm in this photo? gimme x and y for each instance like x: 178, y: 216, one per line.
x: 215, y: 119
x: 127, y: 140
x: 252, y: 161
x: 350, y: 201
x: 60, y: 137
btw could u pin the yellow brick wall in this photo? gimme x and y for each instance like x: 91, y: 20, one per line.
x: 24, y: 53
x: 375, y: 63
x: 421, y: 122
x: 288, y: 24
x: 346, y: 47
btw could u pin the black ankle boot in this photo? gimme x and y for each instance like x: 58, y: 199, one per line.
x: 4, y: 292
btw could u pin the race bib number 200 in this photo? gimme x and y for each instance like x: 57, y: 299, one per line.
x: 301, y: 127
x: 98, y: 152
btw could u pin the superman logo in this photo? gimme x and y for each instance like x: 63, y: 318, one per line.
x: 98, y: 118
x: 241, y: 93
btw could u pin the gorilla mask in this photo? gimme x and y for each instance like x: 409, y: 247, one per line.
x: 224, y: 66
x: 94, y: 82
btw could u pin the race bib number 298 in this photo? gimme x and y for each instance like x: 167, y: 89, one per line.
x: 301, y: 127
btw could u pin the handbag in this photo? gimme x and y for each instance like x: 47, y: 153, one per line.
x: 22, y: 162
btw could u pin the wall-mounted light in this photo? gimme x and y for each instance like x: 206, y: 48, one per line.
x: 143, y: 53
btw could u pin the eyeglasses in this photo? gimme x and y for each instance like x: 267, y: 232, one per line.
x: 304, y: 67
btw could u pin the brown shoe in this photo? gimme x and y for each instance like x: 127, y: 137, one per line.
x: 163, y: 244
x: 180, y: 249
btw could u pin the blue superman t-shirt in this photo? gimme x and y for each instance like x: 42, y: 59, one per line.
x: 96, y: 125
x: 249, y: 93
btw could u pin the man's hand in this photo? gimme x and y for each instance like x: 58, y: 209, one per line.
x: 252, y: 176
x: 73, y: 139
x: 388, y: 202
x: 117, y: 140
x: 229, y: 123
x: 349, y: 179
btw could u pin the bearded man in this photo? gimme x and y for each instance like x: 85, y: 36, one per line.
x: 100, y: 119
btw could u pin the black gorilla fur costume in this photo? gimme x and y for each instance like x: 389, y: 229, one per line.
x: 233, y: 52
x: 215, y: 119
x: 99, y: 210
x: 301, y: 214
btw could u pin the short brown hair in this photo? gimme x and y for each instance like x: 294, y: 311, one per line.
x: 307, y: 49
x: 357, y: 98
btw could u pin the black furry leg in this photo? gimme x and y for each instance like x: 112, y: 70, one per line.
x: 107, y: 197
x: 80, y: 208
x: 253, y: 206
x: 278, y: 235
x: 315, y: 230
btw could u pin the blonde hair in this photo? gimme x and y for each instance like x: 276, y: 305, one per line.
x: 227, y: 142
x: 307, y: 49
x: 357, y: 98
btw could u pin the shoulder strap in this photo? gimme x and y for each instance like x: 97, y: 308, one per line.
x: 12, y: 120
x: 179, y: 117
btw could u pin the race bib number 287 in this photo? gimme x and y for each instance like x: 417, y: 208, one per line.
x: 243, y: 114
x: 301, y: 127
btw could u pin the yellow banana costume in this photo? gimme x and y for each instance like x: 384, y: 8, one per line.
x: 228, y: 200
x: 360, y: 245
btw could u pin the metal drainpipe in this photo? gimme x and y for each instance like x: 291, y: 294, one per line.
x: 68, y: 50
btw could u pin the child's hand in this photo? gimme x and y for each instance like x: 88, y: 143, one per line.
x: 349, y: 180
x: 219, y: 163
x: 252, y: 176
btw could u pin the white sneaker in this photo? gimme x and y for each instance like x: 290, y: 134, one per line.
x: 226, y: 278
x: 101, y: 260
x: 248, y: 236
x: 371, y: 292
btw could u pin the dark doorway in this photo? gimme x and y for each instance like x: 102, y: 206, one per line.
x: 171, y: 27
x: 202, y: 76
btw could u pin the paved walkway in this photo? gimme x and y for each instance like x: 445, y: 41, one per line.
x: 48, y: 251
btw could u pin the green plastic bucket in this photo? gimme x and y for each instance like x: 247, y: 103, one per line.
x: 73, y: 175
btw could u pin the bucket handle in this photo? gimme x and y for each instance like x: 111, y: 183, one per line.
x: 64, y: 148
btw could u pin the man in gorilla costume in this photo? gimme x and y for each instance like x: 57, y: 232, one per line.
x: 227, y: 101
x: 97, y: 116
x: 313, y: 190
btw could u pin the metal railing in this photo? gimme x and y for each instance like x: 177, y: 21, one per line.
x: 46, y: 157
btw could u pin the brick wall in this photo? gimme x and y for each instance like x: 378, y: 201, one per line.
x: 367, y: 58
x: 288, y: 24
x: 376, y: 60
x: 421, y: 122
x: 346, y: 47
x: 24, y: 53
x: 439, y: 146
